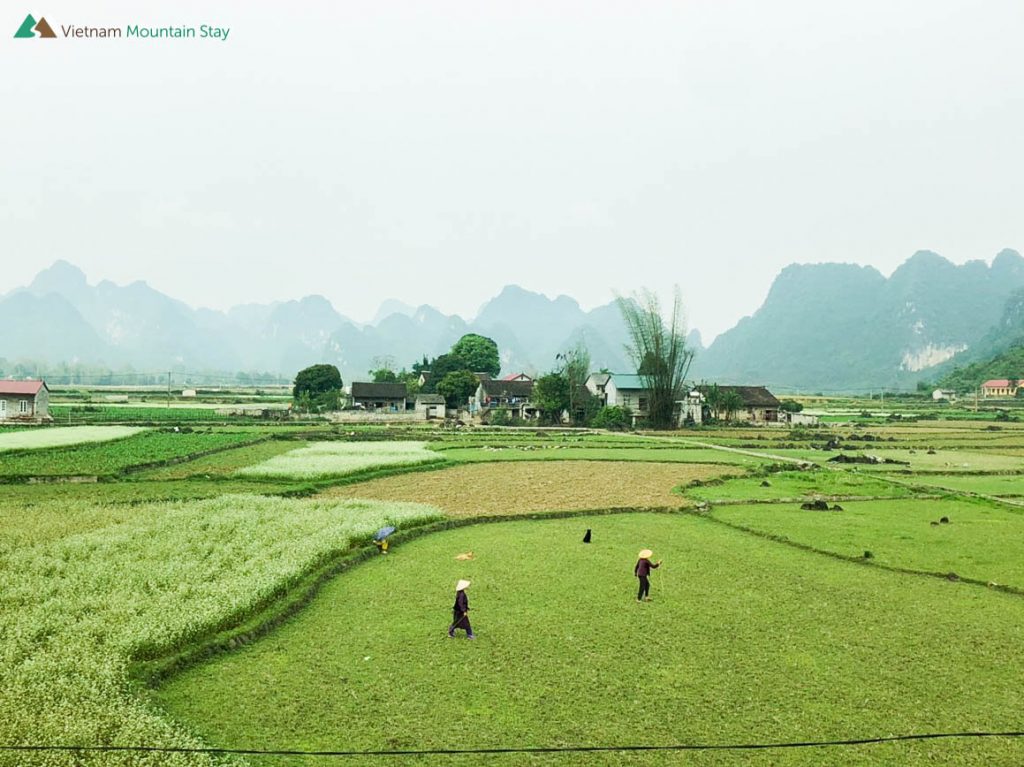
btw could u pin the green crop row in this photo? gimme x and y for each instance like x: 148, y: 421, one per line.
x: 129, y: 414
x: 105, y: 459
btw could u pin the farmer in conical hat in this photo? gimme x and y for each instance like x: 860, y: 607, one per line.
x: 643, y: 568
x: 460, y: 612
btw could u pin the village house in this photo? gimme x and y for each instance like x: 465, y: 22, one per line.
x: 1000, y: 387
x: 430, y: 406
x: 517, y: 377
x: 24, y: 401
x: 799, y: 419
x: 757, y: 404
x: 387, y: 397
x: 626, y: 390
x: 596, y: 383
x: 514, y: 396
x: 944, y: 394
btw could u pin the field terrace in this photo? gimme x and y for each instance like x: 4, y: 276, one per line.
x: 878, y: 600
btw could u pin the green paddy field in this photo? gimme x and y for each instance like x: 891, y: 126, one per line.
x: 169, y: 594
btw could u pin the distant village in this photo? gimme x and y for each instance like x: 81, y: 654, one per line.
x: 509, y: 400
x: 511, y: 396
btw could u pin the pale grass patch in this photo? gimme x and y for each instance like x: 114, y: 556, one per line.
x: 63, y: 436
x: 75, y: 612
x: 336, y: 459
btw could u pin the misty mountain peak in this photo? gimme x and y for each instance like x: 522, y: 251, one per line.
x: 392, y: 306
x: 316, y: 302
x: 1008, y: 263
x: 58, y: 278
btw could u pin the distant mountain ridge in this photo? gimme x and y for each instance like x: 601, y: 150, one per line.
x: 60, y: 318
x: 822, y: 327
x: 842, y: 327
x: 999, y: 353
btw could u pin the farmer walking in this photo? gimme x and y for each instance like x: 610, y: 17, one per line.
x: 460, y: 612
x: 643, y: 568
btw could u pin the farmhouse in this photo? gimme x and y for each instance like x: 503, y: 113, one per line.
x: 430, y: 405
x: 512, y: 395
x: 24, y: 401
x: 389, y: 397
x: 626, y: 390
x: 596, y: 383
x: 517, y: 377
x: 629, y: 391
x: 1000, y: 387
x: 944, y: 394
x: 757, y: 404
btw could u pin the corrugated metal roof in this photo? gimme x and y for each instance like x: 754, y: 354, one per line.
x: 627, y: 381
x: 507, y: 388
x: 751, y: 396
x: 21, y: 387
x: 371, y: 390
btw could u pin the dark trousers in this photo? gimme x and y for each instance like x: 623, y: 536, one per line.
x: 645, y: 586
x: 460, y: 621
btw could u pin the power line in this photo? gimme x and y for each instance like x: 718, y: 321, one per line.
x: 213, y: 751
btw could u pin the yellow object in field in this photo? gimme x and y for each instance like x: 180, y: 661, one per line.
x: 382, y: 545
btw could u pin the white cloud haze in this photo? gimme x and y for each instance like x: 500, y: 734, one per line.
x: 365, y: 150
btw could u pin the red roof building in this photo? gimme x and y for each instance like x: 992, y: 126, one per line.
x: 21, y: 387
x: 1000, y: 387
x: 24, y: 401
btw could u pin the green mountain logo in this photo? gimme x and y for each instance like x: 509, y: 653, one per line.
x: 32, y: 28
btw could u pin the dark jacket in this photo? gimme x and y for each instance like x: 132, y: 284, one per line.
x: 643, y: 568
x: 461, y: 602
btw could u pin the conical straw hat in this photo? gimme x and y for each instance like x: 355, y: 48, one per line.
x: 645, y: 554
x: 461, y: 585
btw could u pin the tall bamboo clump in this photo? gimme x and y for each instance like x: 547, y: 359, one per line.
x: 659, y: 352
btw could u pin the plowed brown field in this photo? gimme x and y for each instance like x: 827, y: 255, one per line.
x: 531, y: 486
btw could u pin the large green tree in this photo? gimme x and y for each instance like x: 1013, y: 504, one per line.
x: 317, y: 379
x: 478, y: 354
x: 732, y: 402
x: 713, y: 399
x: 457, y: 387
x: 658, y: 349
x: 318, y: 387
x: 439, y: 368
x: 576, y: 369
x: 551, y: 396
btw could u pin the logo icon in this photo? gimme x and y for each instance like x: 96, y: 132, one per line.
x: 31, y: 28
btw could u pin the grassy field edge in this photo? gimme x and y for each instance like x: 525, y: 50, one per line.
x: 151, y: 672
x: 708, y: 513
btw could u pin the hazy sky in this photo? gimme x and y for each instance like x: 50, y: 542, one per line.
x: 435, y: 151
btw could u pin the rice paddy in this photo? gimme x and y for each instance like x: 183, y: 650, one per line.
x: 769, y: 622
